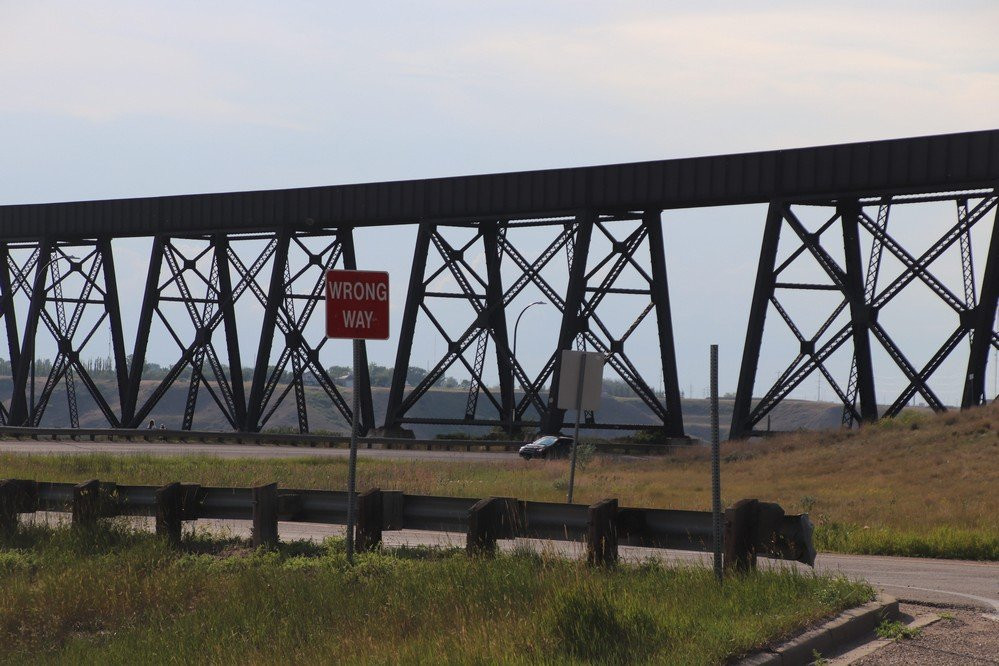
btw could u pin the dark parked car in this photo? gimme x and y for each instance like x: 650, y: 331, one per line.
x: 547, y: 447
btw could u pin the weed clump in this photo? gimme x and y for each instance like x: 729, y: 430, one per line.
x: 895, y: 630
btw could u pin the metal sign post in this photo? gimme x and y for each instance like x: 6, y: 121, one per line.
x: 580, y: 380
x: 716, y: 514
x: 357, y: 308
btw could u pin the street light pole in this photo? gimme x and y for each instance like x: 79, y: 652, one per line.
x: 513, y: 374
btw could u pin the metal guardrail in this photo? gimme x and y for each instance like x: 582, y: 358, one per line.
x: 308, y: 441
x: 756, y: 528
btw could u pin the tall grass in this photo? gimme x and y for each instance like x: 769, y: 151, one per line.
x: 112, y: 596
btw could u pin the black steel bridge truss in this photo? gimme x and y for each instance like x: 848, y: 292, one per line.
x: 213, y: 256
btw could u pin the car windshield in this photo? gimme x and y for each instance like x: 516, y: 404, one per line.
x: 546, y: 441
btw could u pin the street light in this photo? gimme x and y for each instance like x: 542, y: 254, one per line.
x: 513, y: 373
x: 44, y: 268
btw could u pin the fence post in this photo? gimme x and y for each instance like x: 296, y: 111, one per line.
x: 601, y: 533
x: 740, y: 533
x: 369, y: 520
x: 265, y: 514
x: 86, y: 503
x: 169, y: 512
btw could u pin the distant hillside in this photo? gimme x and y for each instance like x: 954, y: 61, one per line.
x: 445, y: 403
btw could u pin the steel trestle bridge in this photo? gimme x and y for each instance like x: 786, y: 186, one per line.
x: 264, y: 252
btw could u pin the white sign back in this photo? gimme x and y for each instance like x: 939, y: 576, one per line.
x: 591, y: 364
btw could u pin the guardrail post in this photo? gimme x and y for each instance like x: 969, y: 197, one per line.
x: 488, y: 520
x: 601, y: 533
x: 740, y: 536
x: 16, y: 496
x: 369, y: 521
x: 170, y: 511
x: 481, y: 536
x: 393, y: 502
x: 189, y: 503
x: 86, y: 503
x: 265, y: 515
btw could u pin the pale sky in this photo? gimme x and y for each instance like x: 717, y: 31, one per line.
x: 118, y: 99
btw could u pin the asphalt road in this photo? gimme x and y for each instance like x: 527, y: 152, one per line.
x: 923, y: 580
x: 237, y: 450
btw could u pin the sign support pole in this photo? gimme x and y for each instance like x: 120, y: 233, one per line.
x: 357, y: 308
x: 352, y: 464
x: 575, y: 437
x: 716, y: 510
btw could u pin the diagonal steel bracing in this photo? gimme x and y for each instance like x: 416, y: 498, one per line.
x: 487, y: 298
x: 73, y: 297
x: 859, y: 285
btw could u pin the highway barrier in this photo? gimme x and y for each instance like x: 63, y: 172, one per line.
x: 752, y: 528
x: 310, y: 440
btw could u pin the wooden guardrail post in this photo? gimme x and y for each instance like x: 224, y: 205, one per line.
x: 601, y: 533
x: 86, y: 503
x: 16, y: 496
x: 740, y: 536
x: 265, y: 515
x: 369, y: 521
x: 488, y: 520
x: 481, y: 536
x: 170, y: 511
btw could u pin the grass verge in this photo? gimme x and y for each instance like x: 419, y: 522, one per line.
x: 919, y: 485
x: 115, y: 596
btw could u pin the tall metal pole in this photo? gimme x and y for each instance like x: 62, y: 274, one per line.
x: 352, y: 464
x: 513, y: 376
x: 575, y: 436
x: 716, y: 515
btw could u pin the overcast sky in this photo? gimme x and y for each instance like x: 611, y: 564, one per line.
x: 120, y: 99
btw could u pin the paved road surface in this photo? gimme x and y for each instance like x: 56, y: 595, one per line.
x: 237, y: 450
x: 925, y: 580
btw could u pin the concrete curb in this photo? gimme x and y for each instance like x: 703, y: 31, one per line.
x: 840, y: 631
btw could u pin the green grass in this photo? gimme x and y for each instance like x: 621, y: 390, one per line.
x: 115, y: 596
x: 950, y: 542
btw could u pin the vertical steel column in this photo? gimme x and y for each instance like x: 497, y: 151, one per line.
x: 985, y: 315
x: 366, y: 422
x: 150, y: 300
x: 660, y: 298
x: 414, y: 299
x: 762, y: 293
x: 221, y: 243
x: 113, y: 308
x: 497, y: 316
x: 572, y: 323
x: 275, y: 295
x: 860, y: 312
x: 19, y: 413
x: 7, y: 309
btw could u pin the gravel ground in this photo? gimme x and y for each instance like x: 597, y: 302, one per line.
x: 963, y: 637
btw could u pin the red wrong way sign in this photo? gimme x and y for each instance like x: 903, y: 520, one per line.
x: 357, y: 305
